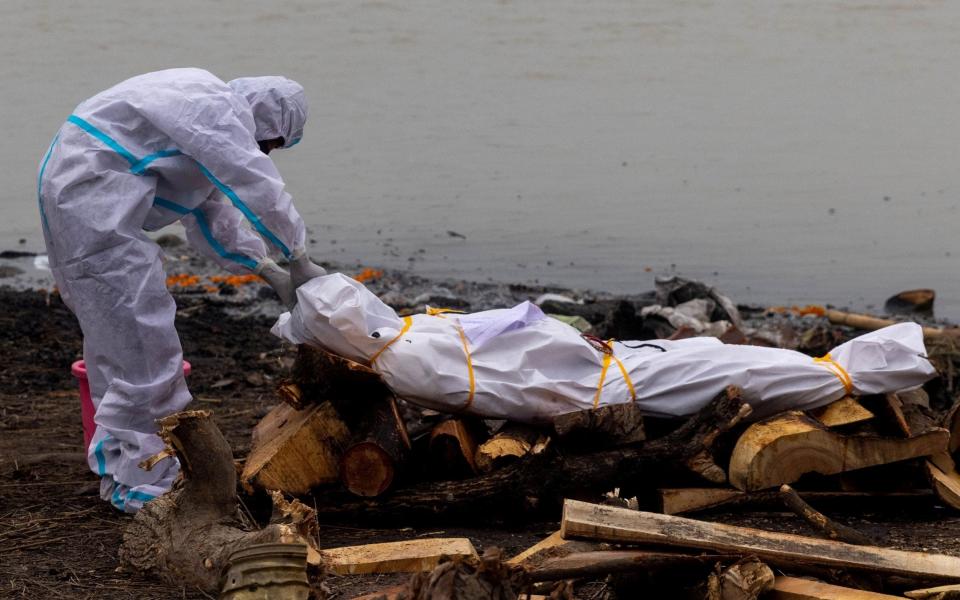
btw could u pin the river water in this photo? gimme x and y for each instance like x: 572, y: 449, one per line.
x: 789, y: 152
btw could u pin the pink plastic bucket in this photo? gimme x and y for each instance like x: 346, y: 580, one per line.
x: 79, y: 371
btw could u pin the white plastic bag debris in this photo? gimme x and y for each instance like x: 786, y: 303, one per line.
x: 521, y: 365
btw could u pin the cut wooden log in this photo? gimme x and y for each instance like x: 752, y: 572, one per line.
x: 186, y: 537
x: 604, y: 562
x: 675, y: 501
x: 845, y: 411
x: 747, y: 579
x: 824, y: 525
x: 510, y: 444
x: 453, y: 447
x: 618, y: 525
x: 943, y: 592
x: 294, y: 451
x: 372, y: 461
x: 795, y: 588
x: 607, y: 426
x: 410, y: 556
x: 540, y: 479
x: 322, y: 376
x: 553, y: 546
x: 944, y: 479
x: 782, y: 449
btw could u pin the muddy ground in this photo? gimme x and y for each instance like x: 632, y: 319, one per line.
x: 59, y: 540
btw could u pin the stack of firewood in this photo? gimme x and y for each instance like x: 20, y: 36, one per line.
x: 342, y: 441
x: 340, y: 436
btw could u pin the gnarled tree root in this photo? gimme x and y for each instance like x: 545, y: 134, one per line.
x: 186, y: 537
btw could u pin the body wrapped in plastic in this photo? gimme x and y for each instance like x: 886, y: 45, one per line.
x: 521, y: 365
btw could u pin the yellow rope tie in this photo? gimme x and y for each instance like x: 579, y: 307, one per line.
x: 603, y: 375
x: 407, y: 322
x: 473, y: 382
x: 606, y: 348
x: 626, y: 377
x: 835, y: 368
x: 437, y: 312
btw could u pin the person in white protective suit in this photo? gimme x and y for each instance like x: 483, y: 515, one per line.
x: 175, y: 145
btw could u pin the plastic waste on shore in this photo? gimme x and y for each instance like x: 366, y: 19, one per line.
x: 519, y: 364
x: 41, y: 262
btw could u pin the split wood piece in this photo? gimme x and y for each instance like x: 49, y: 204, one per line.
x: 952, y: 422
x: 943, y: 592
x: 607, y: 426
x: 511, y: 443
x: 845, y: 411
x: 894, y: 409
x: 321, y: 376
x: 782, y: 449
x: 411, y: 556
x: 539, y: 480
x: 186, y: 537
x: 552, y: 546
x: 291, y: 394
x: 618, y: 525
x: 825, y: 526
x: 380, y: 446
x: 605, y: 562
x: 916, y: 396
x: 295, y: 451
x: 871, y: 323
x: 747, y: 579
x: 453, y: 447
x: 674, y: 501
x: 909, y: 418
x: 795, y: 588
x: 944, y: 479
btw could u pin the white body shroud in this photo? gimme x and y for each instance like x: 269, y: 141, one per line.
x: 528, y: 367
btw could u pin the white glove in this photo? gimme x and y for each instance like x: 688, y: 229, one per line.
x: 302, y: 270
x: 279, y: 280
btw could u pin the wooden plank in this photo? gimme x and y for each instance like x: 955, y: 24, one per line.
x: 552, y: 546
x: 674, y: 501
x: 944, y: 479
x: 782, y: 449
x: 943, y: 592
x: 845, y: 411
x: 604, y: 562
x: 618, y: 525
x: 409, y: 556
x: 794, y: 588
